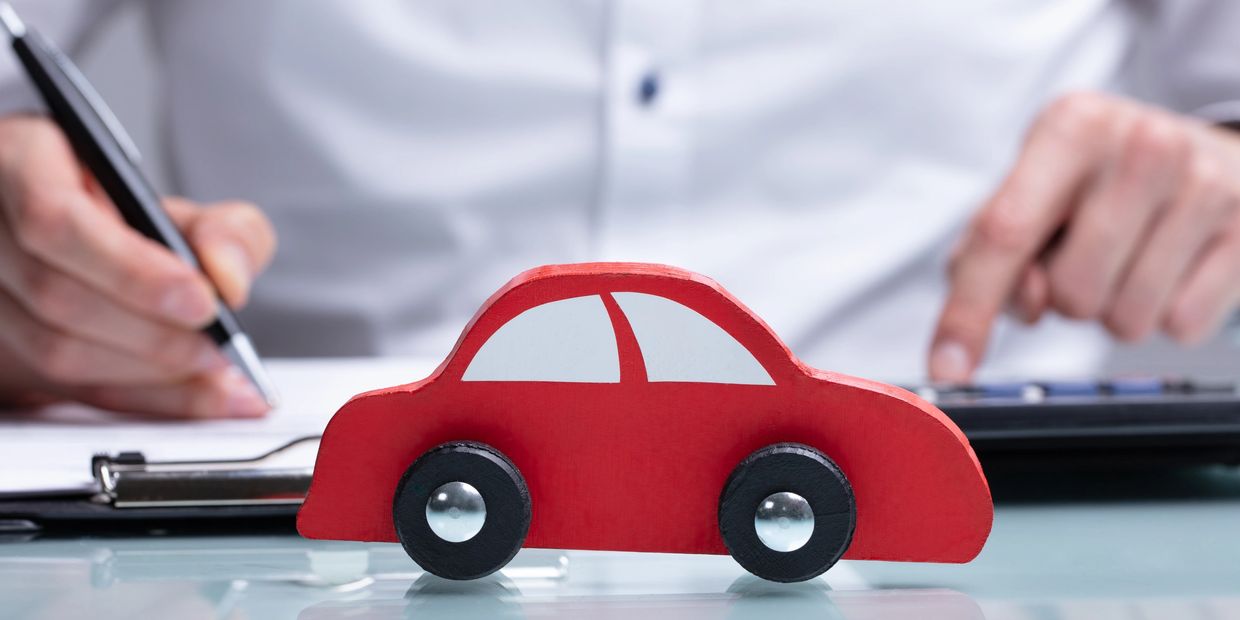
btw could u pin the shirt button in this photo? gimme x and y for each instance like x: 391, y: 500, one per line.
x: 648, y: 88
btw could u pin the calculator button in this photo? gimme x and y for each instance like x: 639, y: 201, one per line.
x: 1011, y: 391
x: 1137, y: 387
x: 1214, y: 388
x: 1072, y: 388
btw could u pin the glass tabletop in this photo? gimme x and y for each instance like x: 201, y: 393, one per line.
x: 1124, y: 545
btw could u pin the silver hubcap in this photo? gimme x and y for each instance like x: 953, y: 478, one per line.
x: 784, y: 521
x: 456, y: 512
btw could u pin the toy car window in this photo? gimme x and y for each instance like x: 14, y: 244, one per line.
x: 678, y: 344
x: 569, y: 340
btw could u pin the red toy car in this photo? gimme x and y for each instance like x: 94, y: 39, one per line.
x: 637, y: 407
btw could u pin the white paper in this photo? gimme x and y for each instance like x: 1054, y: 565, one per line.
x: 50, y: 450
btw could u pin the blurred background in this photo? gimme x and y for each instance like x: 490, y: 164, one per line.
x: 119, y: 61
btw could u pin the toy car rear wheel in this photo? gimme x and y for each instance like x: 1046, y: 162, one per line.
x: 462, y: 510
x: 787, y: 513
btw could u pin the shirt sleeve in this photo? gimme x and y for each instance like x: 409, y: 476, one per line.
x: 1187, y: 57
x: 67, y: 23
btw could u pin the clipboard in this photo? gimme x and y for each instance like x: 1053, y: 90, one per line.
x: 131, y: 492
x: 51, y: 460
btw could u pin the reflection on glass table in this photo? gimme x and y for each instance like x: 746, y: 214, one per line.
x: 278, y: 577
x: 1124, y: 545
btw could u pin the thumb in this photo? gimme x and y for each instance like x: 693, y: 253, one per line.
x: 233, y: 240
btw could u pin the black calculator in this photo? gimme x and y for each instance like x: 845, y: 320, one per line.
x: 1115, y: 422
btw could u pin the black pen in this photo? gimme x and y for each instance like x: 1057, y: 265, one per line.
x: 106, y: 150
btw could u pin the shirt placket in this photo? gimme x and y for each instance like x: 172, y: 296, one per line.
x: 649, y: 105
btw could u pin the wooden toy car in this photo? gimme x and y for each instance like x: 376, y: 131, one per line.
x: 634, y: 407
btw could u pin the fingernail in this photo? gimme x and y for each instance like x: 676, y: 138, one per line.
x: 235, y: 265
x: 243, y: 400
x: 184, y: 303
x: 950, y: 362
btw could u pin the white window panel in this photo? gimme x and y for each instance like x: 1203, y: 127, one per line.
x: 678, y: 344
x: 569, y: 340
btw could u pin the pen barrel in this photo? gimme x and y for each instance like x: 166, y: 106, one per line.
x: 95, y: 145
x: 225, y: 325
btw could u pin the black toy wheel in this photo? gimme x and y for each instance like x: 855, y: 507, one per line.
x: 787, y: 513
x: 462, y: 510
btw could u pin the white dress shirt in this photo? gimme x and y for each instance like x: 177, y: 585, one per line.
x: 817, y: 158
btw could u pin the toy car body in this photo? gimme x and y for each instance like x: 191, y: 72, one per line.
x: 619, y: 400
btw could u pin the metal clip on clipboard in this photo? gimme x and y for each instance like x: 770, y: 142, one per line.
x: 280, y: 477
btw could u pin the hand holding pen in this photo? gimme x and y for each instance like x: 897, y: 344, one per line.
x: 93, y: 310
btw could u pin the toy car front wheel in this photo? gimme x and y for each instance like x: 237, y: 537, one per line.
x: 462, y: 510
x: 787, y: 513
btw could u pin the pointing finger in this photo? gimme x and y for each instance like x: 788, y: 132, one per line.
x: 1010, y: 230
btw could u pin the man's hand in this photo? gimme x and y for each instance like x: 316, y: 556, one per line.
x: 91, y: 310
x: 1115, y: 212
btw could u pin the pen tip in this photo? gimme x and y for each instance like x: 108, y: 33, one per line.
x: 11, y: 22
x: 244, y: 356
